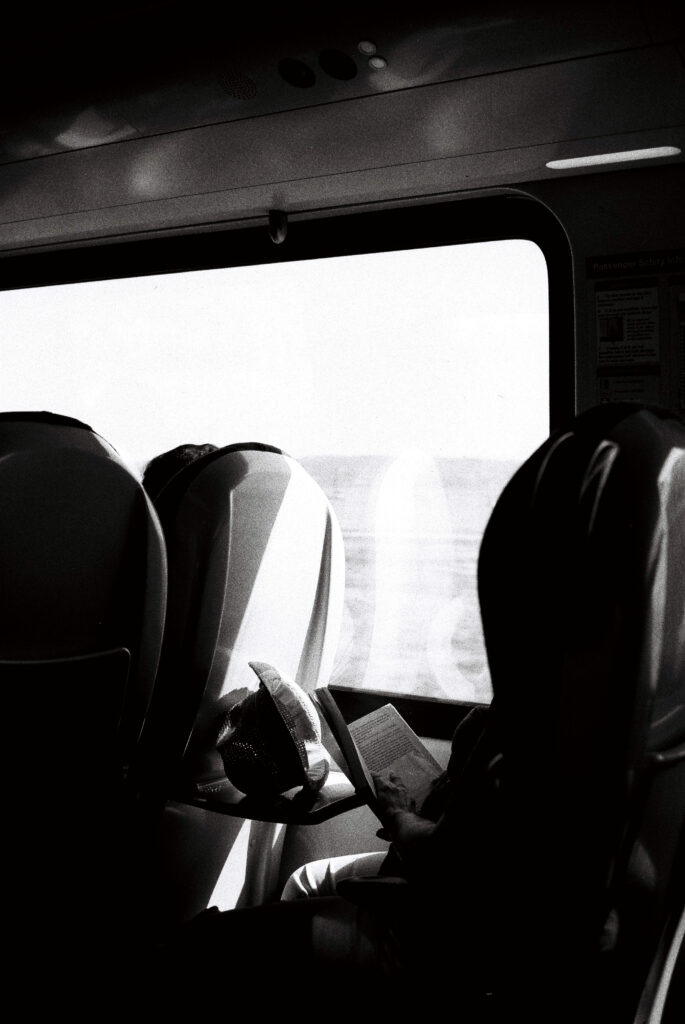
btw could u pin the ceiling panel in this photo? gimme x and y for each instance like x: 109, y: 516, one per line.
x: 173, y: 66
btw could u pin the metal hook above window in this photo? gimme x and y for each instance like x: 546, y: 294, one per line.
x: 278, y: 226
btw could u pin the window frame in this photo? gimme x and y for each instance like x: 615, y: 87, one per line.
x: 420, y: 224
x: 453, y: 222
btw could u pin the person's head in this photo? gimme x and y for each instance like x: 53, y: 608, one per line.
x: 162, y: 468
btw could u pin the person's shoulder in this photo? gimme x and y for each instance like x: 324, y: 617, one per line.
x: 474, y: 722
x: 474, y: 733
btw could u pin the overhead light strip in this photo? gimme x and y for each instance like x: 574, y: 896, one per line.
x: 654, y: 153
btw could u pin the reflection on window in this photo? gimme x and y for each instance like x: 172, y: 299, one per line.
x: 412, y: 527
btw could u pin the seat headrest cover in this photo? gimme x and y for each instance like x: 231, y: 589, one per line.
x: 74, y: 542
x: 57, y: 419
x: 270, y: 741
x: 168, y: 476
x: 30, y: 431
x: 163, y: 468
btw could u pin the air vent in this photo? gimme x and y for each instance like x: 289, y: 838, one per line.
x: 296, y: 72
x: 337, y: 64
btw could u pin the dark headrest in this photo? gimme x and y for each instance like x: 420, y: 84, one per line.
x: 69, y: 551
x: 28, y: 430
x: 43, y: 417
x: 569, y: 542
x: 82, y: 563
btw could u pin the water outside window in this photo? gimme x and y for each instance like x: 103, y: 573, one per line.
x: 409, y: 384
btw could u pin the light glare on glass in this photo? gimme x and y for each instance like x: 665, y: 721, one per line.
x: 613, y: 158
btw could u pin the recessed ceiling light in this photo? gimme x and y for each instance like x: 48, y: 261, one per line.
x: 366, y: 47
x: 613, y: 158
x: 377, y: 63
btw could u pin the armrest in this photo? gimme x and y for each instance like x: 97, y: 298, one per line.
x: 380, y: 893
x: 335, y: 797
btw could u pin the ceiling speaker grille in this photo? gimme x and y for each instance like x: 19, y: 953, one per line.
x: 237, y: 84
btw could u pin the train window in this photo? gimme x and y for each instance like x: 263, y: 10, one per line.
x: 409, y: 383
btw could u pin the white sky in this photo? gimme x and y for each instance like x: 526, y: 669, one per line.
x: 444, y: 349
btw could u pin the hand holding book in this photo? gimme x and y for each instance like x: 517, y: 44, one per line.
x: 392, y: 794
x: 381, y: 750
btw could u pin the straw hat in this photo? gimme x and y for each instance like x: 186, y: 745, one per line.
x: 270, y: 742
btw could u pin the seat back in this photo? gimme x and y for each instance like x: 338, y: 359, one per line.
x: 256, y: 571
x: 82, y: 556
x: 582, y: 596
x: 82, y: 608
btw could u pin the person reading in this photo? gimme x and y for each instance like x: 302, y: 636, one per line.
x: 346, y: 936
x: 420, y: 837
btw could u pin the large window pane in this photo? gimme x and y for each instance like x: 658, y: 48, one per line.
x: 410, y: 384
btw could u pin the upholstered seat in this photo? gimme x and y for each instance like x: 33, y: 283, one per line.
x: 82, y: 607
x: 256, y: 574
x: 576, y: 887
x: 582, y: 593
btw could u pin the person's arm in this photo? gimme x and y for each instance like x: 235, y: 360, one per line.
x: 410, y: 833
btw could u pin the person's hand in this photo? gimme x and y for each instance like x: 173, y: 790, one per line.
x: 392, y: 795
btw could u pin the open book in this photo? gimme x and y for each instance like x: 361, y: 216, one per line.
x: 377, y: 744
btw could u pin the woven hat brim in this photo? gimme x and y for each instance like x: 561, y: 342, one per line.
x: 298, y: 713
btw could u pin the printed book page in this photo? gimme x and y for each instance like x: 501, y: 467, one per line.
x: 387, y: 743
